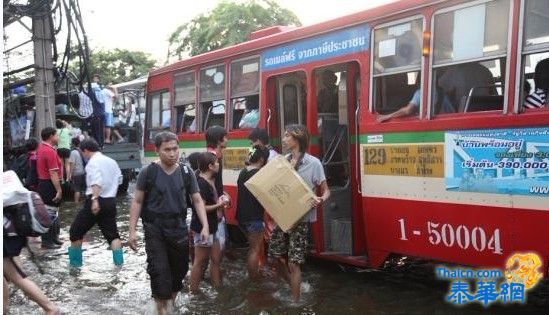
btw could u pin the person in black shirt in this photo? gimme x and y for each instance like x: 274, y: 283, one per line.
x: 208, y: 165
x: 249, y: 212
x: 160, y: 199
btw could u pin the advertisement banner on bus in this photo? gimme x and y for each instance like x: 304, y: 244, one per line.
x: 339, y: 43
x: 505, y: 161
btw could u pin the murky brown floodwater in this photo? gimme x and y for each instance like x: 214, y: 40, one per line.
x: 404, y: 287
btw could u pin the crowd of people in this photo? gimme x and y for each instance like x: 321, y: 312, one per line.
x: 164, y: 192
x: 100, y: 119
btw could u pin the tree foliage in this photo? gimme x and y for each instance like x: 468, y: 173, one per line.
x: 119, y: 65
x: 227, y: 24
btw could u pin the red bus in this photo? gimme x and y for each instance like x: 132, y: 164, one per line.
x: 462, y: 179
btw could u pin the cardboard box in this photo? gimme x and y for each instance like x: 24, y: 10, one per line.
x: 282, y: 192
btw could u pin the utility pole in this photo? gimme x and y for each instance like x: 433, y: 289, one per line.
x: 44, y: 83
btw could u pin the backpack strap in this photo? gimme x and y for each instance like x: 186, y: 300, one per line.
x: 186, y: 174
x: 152, y: 172
x: 150, y: 178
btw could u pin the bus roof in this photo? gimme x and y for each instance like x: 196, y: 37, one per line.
x: 133, y: 84
x: 292, y: 34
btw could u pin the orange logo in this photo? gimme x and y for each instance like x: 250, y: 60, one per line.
x: 523, y: 268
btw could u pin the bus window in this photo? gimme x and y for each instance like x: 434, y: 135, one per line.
x: 212, y: 96
x: 290, y: 99
x: 159, y: 116
x: 186, y: 118
x: 245, y: 93
x: 166, y: 111
x: 469, y: 58
x: 396, y: 65
x: 185, y: 96
x: 535, y: 85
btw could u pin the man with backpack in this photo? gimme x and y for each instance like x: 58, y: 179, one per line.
x: 25, y: 165
x: 31, y: 178
x: 160, y: 201
x: 50, y: 172
x: 20, y: 222
x: 102, y: 179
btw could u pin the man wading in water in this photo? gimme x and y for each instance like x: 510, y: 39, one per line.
x: 293, y: 243
x: 160, y: 201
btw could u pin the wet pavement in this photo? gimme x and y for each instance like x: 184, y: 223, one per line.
x: 405, y: 286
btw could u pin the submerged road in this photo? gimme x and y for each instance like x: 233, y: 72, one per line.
x: 405, y: 286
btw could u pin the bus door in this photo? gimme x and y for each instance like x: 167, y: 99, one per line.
x: 286, y: 99
x: 290, y: 100
x: 336, y: 98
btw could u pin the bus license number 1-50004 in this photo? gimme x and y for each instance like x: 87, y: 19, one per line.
x: 462, y: 236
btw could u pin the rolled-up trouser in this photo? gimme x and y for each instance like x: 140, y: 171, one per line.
x: 105, y: 219
x: 167, y: 247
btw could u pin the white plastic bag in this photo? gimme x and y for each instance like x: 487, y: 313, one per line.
x: 13, y: 191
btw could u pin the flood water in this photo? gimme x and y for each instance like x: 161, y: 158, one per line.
x: 405, y: 286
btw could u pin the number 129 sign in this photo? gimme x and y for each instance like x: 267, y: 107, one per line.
x: 444, y: 234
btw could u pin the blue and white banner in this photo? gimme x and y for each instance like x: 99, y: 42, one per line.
x: 505, y: 161
x: 346, y: 41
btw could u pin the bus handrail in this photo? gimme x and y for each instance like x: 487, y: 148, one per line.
x: 357, y: 144
x: 332, y: 148
x: 470, y: 95
x: 207, y: 117
x: 269, y: 122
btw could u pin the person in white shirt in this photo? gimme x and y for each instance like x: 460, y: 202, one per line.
x: 260, y: 137
x: 85, y: 108
x: 102, y: 179
x: 109, y: 94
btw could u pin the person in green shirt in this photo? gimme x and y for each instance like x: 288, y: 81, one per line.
x: 64, y: 145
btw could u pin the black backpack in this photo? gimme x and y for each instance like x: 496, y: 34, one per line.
x: 31, y: 180
x: 29, y: 218
x: 20, y: 166
x: 152, y: 172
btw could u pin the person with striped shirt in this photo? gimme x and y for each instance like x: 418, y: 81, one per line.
x: 538, y: 99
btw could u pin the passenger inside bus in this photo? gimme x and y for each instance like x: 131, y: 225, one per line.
x: 327, y: 96
x: 464, y: 83
x: 413, y: 105
x: 407, y: 110
x: 538, y: 99
x: 250, y: 118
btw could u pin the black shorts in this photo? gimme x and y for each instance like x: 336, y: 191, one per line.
x: 78, y: 183
x: 47, y: 192
x: 167, y: 258
x: 13, y: 245
x: 64, y: 153
x: 105, y: 219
